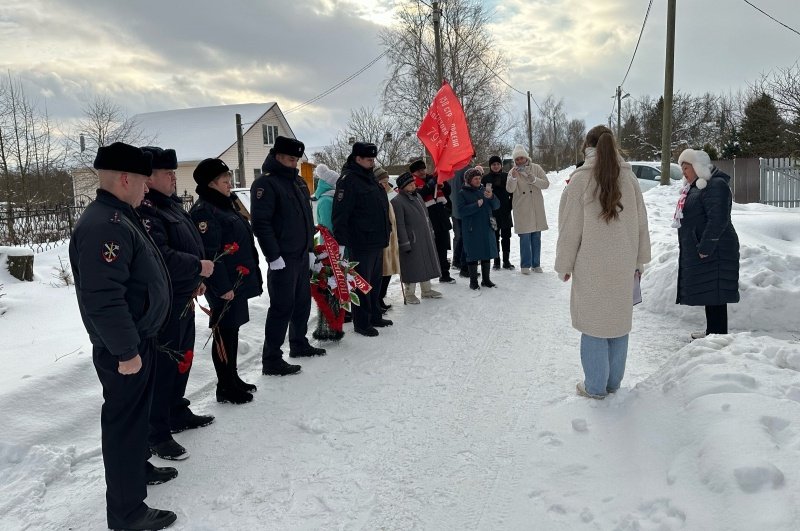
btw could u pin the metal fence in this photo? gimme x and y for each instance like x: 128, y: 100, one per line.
x: 40, y: 227
x: 780, y: 182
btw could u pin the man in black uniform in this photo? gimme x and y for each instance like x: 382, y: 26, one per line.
x: 280, y: 205
x: 123, y: 292
x: 361, y: 224
x: 174, y: 233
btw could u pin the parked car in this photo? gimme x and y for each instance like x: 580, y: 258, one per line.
x: 649, y: 173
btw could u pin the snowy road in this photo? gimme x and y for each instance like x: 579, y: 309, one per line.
x: 462, y: 416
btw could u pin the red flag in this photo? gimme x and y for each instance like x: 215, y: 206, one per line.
x: 445, y: 133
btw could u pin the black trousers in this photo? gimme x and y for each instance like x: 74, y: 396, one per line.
x: 503, y: 234
x: 124, y: 426
x: 289, y: 307
x: 717, y: 319
x: 169, y: 385
x: 458, y: 244
x: 225, y: 355
x: 442, y: 241
x: 370, y: 266
x: 385, y: 281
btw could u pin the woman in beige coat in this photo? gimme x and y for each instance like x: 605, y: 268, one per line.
x: 526, y: 181
x: 391, y: 253
x: 603, y: 242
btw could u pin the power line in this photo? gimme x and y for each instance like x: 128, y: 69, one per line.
x: 770, y: 16
x: 338, y: 85
x: 644, y: 23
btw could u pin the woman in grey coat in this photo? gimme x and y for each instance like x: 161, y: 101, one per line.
x: 419, y: 262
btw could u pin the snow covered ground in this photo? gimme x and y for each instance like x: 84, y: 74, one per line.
x: 461, y: 416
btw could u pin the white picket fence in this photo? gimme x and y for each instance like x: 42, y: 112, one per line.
x: 780, y: 182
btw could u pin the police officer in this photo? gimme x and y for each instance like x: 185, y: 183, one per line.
x: 123, y: 291
x: 236, y: 276
x: 177, y: 238
x: 284, y: 226
x: 361, y: 224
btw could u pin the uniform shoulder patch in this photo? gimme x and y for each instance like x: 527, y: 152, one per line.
x: 110, y: 251
x: 202, y: 227
x: 340, y: 194
x: 114, y: 217
x: 259, y: 193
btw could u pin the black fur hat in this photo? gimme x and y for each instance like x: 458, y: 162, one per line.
x: 495, y: 158
x: 365, y: 149
x: 417, y: 165
x: 124, y: 158
x: 163, y: 159
x: 208, y: 170
x: 404, y: 179
x: 288, y: 146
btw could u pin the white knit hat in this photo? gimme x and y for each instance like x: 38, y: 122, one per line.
x: 519, y: 151
x: 701, y: 163
x: 326, y: 174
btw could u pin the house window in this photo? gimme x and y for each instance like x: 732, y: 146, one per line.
x: 270, y: 133
x: 256, y: 173
x: 237, y: 179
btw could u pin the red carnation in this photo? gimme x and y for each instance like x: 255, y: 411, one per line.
x: 230, y: 248
x: 242, y: 270
x: 186, y: 362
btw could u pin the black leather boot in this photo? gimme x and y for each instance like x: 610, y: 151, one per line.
x: 485, y: 269
x: 473, y: 276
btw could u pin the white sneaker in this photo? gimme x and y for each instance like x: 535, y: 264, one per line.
x: 525, y: 271
x: 698, y: 335
x: 537, y: 270
x: 582, y: 391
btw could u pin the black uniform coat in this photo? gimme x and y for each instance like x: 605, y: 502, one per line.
x: 502, y: 214
x: 121, y: 281
x: 706, y: 229
x: 280, y: 206
x: 176, y: 236
x: 219, y: 224
x: 360, y: 209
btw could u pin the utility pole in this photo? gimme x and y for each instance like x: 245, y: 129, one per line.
x: 555, y: 146
x: 530, y: 126
x: 437, y: 39
x: 619, y: 112
x: 240, y: 149
x: 669, y: 72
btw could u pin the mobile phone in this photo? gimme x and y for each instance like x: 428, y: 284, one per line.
x: 488, y: 187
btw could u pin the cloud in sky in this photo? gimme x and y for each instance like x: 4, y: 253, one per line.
x: 154, y: 55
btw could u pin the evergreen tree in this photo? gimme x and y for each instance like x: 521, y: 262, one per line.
x: 763, y: 131
x: 731, y: 146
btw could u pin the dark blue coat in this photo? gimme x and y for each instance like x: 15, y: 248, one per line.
x: 706, y: 229
x: 476, y: 229
x: 280, y: 206
x: 219, y: 224
x: 176, y: 236
x: 121, y: 280
x: 360, y: 209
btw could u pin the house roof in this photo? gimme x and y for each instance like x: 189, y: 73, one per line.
x: 201, y: 132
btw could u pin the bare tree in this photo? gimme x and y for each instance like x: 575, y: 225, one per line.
x: 103, y: 123
x: 396, y: 145
x: 469, y: 64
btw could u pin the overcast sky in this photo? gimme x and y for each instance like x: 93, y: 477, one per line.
x: 152, y: 55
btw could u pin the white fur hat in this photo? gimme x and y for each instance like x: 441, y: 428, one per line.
x: 326, y: 174
x: 701, y: 163
x: 519, y: 151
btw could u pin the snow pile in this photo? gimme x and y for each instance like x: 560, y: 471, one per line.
x: 461, y: 416
x: 769, y: 270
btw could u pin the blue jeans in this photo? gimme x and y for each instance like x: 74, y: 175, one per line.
x: 603, y: 361
x: 530, y: 248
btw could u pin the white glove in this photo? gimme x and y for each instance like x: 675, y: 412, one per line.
x: 275, y: 265
x: 312, y: 259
